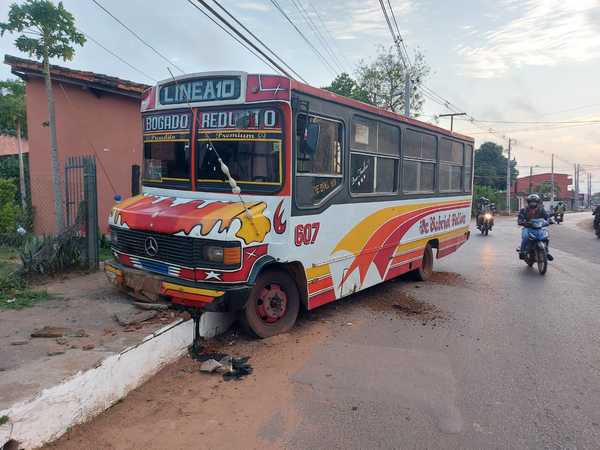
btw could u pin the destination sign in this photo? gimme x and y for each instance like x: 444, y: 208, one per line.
x: 167, y: 122
x: 241, y: 119
x: 200, y: 90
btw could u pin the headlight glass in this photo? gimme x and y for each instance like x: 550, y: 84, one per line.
x: 213, y: 254
x: 488, y: 216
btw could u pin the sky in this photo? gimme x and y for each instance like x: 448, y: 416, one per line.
x: 496, y: 60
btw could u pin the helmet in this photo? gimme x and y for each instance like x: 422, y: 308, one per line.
x: 533, y: 198
x: 483, y: 200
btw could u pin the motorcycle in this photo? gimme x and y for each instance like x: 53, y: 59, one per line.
x: 559, y: 217
x: 596, y: 214
x: 537, y: 244
x: 486, y: 224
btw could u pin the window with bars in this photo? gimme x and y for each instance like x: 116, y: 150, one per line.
x: 374, y: 157
x: 419, y: 153
x: 452, y: 159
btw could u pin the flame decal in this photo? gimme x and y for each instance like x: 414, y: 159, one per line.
x: 166, y: 215
x: 378, y: 246
x: 278, y: 225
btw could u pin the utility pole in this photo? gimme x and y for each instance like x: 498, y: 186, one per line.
x: 552, y: 182
x: 576, y: 187
x: 530, y: 179
x: 407, y: 89
x: 452, y: 118
x: 508, y: 178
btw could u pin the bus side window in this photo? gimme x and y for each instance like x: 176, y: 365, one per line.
x: 468, y: 168
x: 318, y: 158
x: 419, y: 151
x: 451, y: 157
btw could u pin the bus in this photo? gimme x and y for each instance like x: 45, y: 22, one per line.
x: 262, y: 195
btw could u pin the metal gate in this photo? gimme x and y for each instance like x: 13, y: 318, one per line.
x: 81, y: 205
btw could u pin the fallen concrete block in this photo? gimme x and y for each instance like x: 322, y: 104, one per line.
x: 131, y: 318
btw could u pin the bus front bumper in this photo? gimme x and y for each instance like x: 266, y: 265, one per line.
x: 215, y: 298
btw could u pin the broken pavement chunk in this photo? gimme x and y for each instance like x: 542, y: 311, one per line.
x: 131, y: 318
x: 210, y: 365
x: 49, y: 332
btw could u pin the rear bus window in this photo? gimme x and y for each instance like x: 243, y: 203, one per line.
x: 452, y: 158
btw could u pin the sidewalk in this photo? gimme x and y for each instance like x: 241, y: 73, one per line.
x: 85, y: 360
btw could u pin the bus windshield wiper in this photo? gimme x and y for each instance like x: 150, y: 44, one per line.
x: 235, y: 189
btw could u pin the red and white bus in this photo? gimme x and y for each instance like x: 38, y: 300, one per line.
x: 334, y: 196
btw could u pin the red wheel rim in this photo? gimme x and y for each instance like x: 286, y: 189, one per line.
x: 271, y: 304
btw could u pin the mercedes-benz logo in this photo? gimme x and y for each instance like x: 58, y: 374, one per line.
x: 151, y: 246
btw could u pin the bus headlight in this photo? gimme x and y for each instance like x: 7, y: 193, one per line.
x: 214, y: 254
x: 228, y: 256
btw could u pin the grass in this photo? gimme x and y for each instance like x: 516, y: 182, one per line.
x: 3, y: 420
x: 22, y: 298
x: 13, y: 292
x: 9, y: 260
x: 105, y: 253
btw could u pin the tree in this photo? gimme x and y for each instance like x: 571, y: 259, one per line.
x: 545, y: 190
x: 345, y: 85
x: 382, y: 81
x: 490, y: 166
x: 46, y: 31
x: 13, y: 122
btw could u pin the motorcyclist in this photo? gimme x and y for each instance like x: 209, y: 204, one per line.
x: 534, y: 210
x: 483, y: 206
x: 560, y: 208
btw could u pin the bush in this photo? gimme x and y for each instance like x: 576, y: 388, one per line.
x: 50, y: 255
x: 9, y: 209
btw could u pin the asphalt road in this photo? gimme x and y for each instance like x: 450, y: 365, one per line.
x: 502, y: 358
x: 516, y: 365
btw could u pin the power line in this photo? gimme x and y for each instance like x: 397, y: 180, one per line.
x: 259, y: 55
x: 258, y: 40
x: 515, y: 122
x: 302, y: 35
x: 117, y: 56
x: 304, y: 13
x: 136, y: 35
x: 333, y: 40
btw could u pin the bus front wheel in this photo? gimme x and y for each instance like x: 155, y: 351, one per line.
x: 273, y: 305
x: 424, y: 272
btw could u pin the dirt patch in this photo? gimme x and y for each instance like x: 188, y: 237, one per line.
x: 182, y: 407
x: 448, y: 278
x: 586, y: 224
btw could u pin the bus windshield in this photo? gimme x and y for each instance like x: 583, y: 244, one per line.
x: 248, y: 141
x: 167, y: 156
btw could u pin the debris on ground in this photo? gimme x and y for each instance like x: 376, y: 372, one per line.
x: 87, y: 347
x: 231, y: 367
x: 134, y: 317
x: 19, y: 343
x: 49, y: 332
x: 151, y: 306
x: 56, y: 353
x: 57, y: 332
x: 448, y: 279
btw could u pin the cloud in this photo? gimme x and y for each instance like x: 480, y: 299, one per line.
x: 253, y: 6
x: 543, y: 33
x: 356, y: 19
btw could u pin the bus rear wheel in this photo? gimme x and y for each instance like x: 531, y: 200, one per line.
x: 424, y: 272
x: 273, y: 305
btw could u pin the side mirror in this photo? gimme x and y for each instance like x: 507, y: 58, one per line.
x: 310, y: 140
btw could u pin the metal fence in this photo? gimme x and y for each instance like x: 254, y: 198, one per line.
x: 81, y: 204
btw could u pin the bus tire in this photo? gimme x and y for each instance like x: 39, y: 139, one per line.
x: 424, y: 272
x: 273, y: 304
